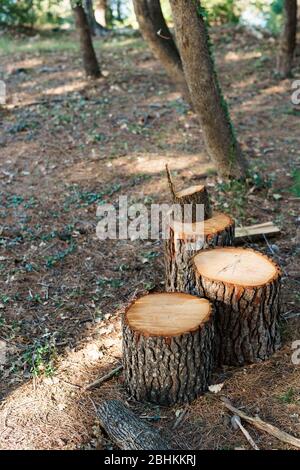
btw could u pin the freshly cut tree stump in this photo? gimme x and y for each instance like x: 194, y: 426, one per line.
x: 245, y: 288
x: 184, y: 241
x: 127, y: 430
x: 168, y: 347
x: 192, y: 195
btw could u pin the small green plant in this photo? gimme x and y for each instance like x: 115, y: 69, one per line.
x: 39, y: 358
x: 288, y: 396
x: 114, y: 283
x: 150, y: 254
x: 231, y: 197
x: 60, y: 255
x: 296, y: 186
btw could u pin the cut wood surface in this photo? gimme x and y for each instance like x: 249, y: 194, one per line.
x: 193, y: 196
x: 256, y: 231
x: 245, y: 288
x: 126, y: 430
x: 168, y: 347
x: 185, y: 240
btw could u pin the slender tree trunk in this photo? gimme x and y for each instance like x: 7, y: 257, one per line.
x: 208, y: 101
x: 90, y: 62
x: 157, y: 34
x: 101, y: 12
x: 288, y: 39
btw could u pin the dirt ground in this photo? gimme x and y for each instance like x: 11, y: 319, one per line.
x: 66, y: 145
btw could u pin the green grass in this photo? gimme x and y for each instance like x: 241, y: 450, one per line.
x: 56, y: 43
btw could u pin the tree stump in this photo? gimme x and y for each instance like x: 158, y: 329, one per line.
x: 168, y: 347
x: 127, y: 430
x: 244, y: 286
x: 184, y: 241
x: 194, y: 195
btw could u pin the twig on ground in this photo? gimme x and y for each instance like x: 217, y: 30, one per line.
x: 236, y: 422
x: 104, y: 378
x: 263, y: 426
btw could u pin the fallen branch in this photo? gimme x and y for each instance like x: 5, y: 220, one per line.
x: 236, y: 423
x: 128, y: 431
x: 262, y: 425
x: 104, y: 378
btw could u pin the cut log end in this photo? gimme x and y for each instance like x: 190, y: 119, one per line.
x: 208, y: 229
x: 168, y: 347
x: 245, y: 288
x: 185, y: 240
x: 168, y: 314
x: 237, y: 266
x: 190, y: 191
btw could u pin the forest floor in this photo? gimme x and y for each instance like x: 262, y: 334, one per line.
x: 68, y: 144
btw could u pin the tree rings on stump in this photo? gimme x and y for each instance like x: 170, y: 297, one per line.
x: 185, y: 240
x: 245, y: 288
x: 168, y: 347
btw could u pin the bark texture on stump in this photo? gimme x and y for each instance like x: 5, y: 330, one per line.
x: 244, y: 286
x: 90, y: 62
x: 168, y: 347
x: 182, y: 245
x: 157, y: 34
x: 288, y: 39
x: 208, y: 102
x: 127, y: 430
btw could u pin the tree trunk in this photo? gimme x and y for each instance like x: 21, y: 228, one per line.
x: 157, y: 34
x: 95, y: 28
x: 101, y: 12
x: 288, y: 39
x: 168, y: 347
x: 90, y: 62
x: 127, y: 430
x: 244, y: 286
x: 206, y: 95
x: 182, y: 245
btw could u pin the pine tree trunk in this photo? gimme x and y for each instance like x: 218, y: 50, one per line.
x: 90, y: 62
x: 168, y: 348
x: 127, y: 430
x: 181, y: 246
x: 157, y: 34
x: 244, y: 286
x: 288, y: 39
x: 208, y: 102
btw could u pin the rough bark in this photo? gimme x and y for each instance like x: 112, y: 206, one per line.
x: 190, y: 196
x: 181, y: 247
x: 208, y: 102
x: 151, y: 22
x: 288, y: 39
x: 90, y: 62
x: 168, y: 369
x: 127, y: 430
x: 246, y: 317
